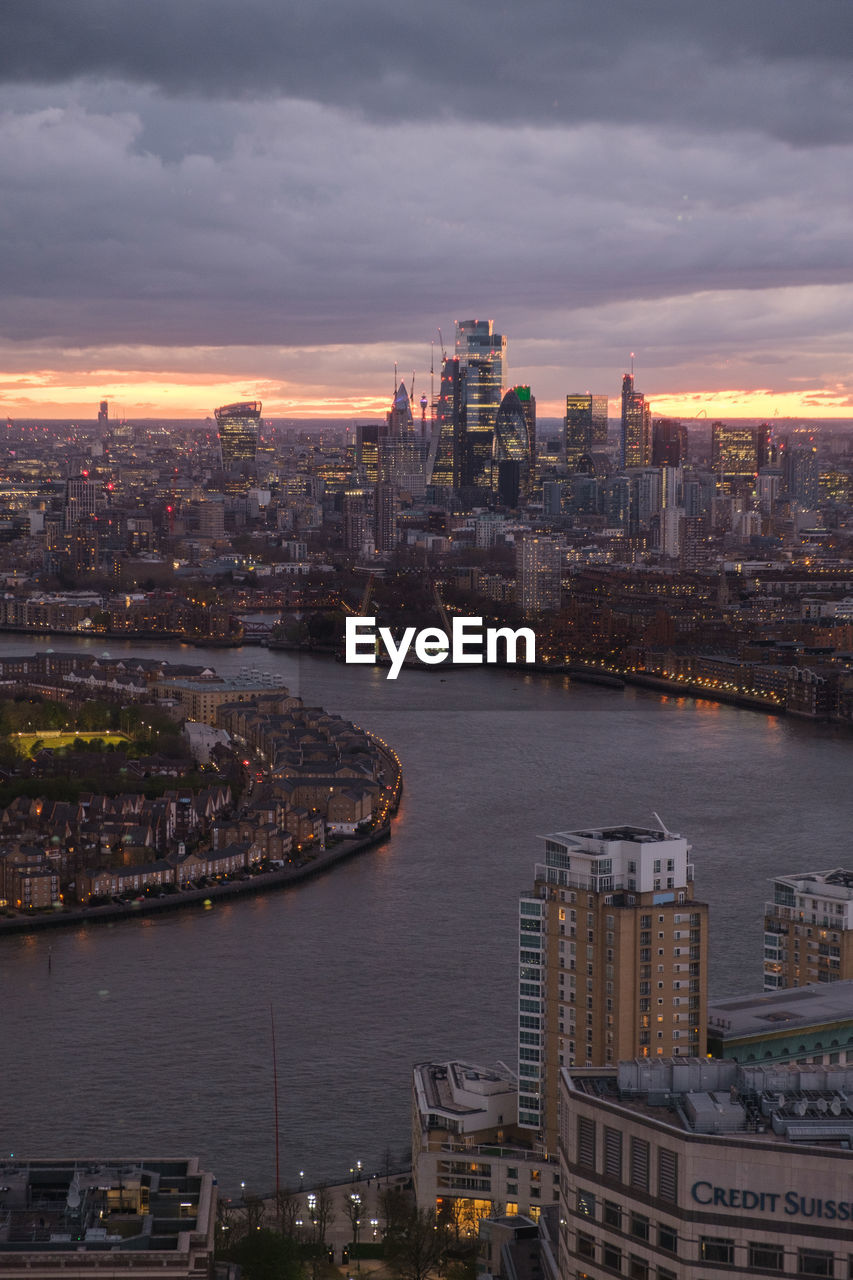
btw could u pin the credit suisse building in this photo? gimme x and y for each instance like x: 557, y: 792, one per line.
x: 700, y: 1169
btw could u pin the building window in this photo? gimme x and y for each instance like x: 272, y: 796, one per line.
x: 639, y: 1226
x: 612, y: 1214
x: 638, y: 1268
x: 611, y: 1256
x: 766, y: 1257
x: 586, y: 1245
x: 667, y: 1238
x: 716, y: 1249
x: 815, y: 1262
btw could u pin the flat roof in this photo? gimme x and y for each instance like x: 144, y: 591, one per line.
x: 772, y: 1012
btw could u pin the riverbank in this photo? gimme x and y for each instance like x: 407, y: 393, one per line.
x: 263, y: 882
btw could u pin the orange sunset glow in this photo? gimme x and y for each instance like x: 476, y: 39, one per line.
x: 58, y: 394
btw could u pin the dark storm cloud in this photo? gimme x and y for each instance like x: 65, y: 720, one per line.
x: 778, y: 65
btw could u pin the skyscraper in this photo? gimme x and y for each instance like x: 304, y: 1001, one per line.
x: 612, y: 960
x: 585, y: 428
x: 511, y: 452
x: 367, y: 450
x: 238, y: 426
x: 445, y: 468
x: 103, y: 414
x: 482, y: 358
x: 737, y: 455
x: 669, y: 443
x: 636, y: 448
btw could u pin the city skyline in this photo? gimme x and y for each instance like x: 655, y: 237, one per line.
x: 201, y: 211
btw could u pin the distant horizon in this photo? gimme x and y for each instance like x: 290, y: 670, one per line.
x: 345, y: 420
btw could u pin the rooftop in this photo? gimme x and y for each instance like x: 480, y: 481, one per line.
x: 805, y: 1105
x: 107, y: 1206
x: 772, y: 1012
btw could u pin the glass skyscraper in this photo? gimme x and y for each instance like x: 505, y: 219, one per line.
x: 238, y: 426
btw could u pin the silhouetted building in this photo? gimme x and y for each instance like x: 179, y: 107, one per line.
x: 669, y: 443
x: 367, y: 450
x: 386, y: 513
x: 103, y: 414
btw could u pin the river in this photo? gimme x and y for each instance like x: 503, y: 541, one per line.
x: 153, y: 1036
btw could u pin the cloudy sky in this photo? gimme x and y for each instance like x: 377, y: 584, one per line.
x: 210, y: 199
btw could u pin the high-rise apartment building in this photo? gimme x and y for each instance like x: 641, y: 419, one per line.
x: 808, y: 929
x: 636, y: 448
x: 238, y: 426
x: 538, y: 565
x: 386, y: 515
x: 585, y: 427
x: 612, y: 960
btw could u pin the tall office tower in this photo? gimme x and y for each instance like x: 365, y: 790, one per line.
x: 803, y: 474
x: 483, y: 353
x: 669, y: 443
x: 386, y: 513
x: 511, y: 459
x: 399, y: 422
x: 103, y: 414
x: 83, y: 498
x: 445, y: 465
x: 585, y: 428
x: 238, y: 426
x: 528, y: 406
x: 538, y: 574
x: 367, y: 450
x: 612, y: 960
x: 808, y: 929
x: 636, y: 426
x: 482, y: 362
x: 737, y: 455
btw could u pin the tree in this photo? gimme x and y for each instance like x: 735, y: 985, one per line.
x: 286, y: 1211
x: 416, y: 1247
x: 355, y: 1212
x: 323, y: 1212
x: 266, y: 1255
x: 395, y: 1207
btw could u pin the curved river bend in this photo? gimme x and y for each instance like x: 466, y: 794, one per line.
x: 154, y: 1036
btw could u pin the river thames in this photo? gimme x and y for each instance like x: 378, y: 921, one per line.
x: 153, y: 1036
